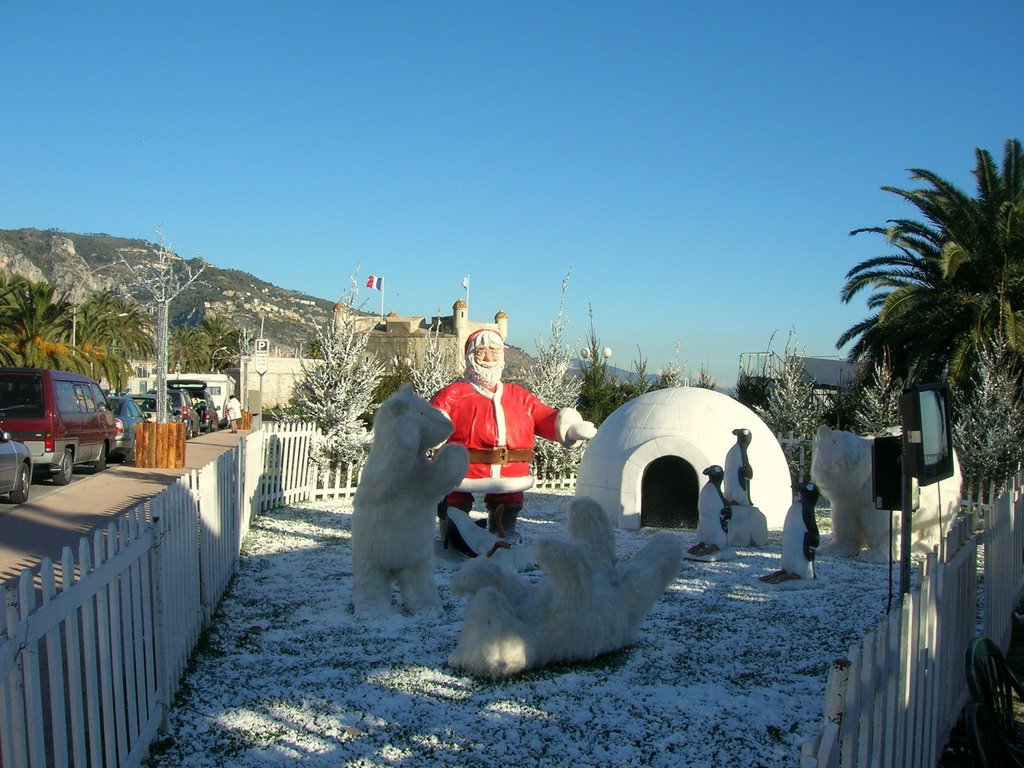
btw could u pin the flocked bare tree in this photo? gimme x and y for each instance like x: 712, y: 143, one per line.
x: 164, y: 279
x: 336, y: 391
x: 549, y: 379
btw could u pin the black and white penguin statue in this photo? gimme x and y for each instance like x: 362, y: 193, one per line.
x: 713, y: 514
x: 738, y: 472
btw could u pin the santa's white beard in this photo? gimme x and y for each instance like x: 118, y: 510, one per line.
x: 484, y: 374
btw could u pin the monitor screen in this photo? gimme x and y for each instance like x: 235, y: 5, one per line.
x: 927, y: 432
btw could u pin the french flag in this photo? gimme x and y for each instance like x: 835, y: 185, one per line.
x: 375, y: 282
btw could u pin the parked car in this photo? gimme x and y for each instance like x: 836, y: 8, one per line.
x: 62, y: 418
x: 127, y: 415
x: 147, y: 406
x: 184, y: 409
x: 203, y: 400
x: 15, y: 469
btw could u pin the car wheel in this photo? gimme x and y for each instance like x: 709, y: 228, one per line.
x: 65, y: 467
x: 101, y: 463
x: 19, y: 493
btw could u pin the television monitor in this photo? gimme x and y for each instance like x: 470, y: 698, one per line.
x: 927, y: 432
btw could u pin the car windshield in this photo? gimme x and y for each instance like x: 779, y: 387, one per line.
x: 21, y: 395
x: 146, y: 404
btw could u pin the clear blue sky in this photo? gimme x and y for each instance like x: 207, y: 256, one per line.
x: 698, y: 165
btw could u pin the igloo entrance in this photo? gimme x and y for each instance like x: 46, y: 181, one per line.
x: 668, y: 494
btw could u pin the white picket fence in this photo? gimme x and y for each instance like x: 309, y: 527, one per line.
x: 291, y: 477
x: 895, y: 699
x: 92, y: 649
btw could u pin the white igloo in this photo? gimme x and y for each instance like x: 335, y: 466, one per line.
x: 645, y: 464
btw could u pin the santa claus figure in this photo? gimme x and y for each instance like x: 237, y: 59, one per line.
x: 497, y: 423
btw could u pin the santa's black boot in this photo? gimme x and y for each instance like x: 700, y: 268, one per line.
x: 450, y: 534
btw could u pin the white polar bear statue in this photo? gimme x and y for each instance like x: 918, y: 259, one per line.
x: 841, y: 468
x: 395, y: 504
x: 587, y: 605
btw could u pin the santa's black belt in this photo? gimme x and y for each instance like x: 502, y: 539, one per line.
x: 499, y: 455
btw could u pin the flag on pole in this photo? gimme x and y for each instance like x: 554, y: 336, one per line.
x: 465, y: 282
x: 375, y: 282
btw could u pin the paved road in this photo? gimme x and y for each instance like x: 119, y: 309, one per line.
x: 60, y: 516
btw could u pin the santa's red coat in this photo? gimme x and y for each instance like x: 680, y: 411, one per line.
x: 511, y: 416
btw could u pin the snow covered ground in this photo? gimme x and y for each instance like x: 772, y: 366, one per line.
x: 725, y: 671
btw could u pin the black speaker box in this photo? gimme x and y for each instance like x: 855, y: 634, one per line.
x: 887, y: 472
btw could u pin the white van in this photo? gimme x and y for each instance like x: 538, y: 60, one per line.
x: 219, y: 385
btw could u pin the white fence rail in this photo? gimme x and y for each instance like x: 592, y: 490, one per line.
x: 895, y: 699
x: 92, y: 649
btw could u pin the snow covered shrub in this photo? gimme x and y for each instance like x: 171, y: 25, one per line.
x: 989, y: 419
x: 336, y: 392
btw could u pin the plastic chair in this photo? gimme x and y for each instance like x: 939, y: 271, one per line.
x: 993, y: 689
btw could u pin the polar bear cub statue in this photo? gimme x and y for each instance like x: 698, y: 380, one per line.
x: 841, y: 468
x: 587, y: 605
x: 395, y: 504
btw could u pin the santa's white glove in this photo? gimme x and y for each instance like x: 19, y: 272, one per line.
x: 571, y: 427
x: 581, y: 430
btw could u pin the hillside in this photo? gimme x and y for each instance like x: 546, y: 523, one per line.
x: 80, y: 264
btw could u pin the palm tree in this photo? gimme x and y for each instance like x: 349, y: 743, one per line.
x: 111, y: 331
x: 186, y: 350
x: 955, y: 280
x: 36, y: 326
x: 220, y: 342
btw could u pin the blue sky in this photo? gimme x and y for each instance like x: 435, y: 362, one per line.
x: 698, y: 166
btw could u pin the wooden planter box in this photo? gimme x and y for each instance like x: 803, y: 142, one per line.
x: 160, y: 446
x: 246, y: 421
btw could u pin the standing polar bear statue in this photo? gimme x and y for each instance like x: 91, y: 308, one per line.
x: 396, y: 503
x: 841, y: 468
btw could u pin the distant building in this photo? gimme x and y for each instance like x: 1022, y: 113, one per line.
x: 395, y: 338
x: 827, y: 375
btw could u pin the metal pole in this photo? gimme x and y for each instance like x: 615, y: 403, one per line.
x: 906, y: 512
x: 162, y: 312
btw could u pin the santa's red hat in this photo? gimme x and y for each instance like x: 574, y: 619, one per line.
x: 485, y: 337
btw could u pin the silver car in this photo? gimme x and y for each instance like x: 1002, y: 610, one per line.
x: 15, y: 469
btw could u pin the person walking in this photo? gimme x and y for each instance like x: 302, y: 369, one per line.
x: 234, y: 409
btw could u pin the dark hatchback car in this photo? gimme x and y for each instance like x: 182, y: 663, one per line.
x: 184, y: 408
x: 126, y: 415
x: 202, y: 399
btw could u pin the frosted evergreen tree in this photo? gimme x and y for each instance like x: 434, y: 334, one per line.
x: 336, y: 391
x: 704, y: 379
x: 879, y: 401
x: 549, y: 379
x: 792, y: 409
x: 989, y: 419
x: 672, y: 374
x: 438, y: 368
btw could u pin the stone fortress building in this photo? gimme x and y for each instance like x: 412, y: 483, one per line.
x: 397, y: 337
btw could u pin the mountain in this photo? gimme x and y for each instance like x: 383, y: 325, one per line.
x: 81, y: 264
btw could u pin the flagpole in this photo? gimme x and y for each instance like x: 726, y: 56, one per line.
x: 465, y: 284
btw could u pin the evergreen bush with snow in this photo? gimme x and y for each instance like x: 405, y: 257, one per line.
x: 336, y: 392
x: 549, y: 379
